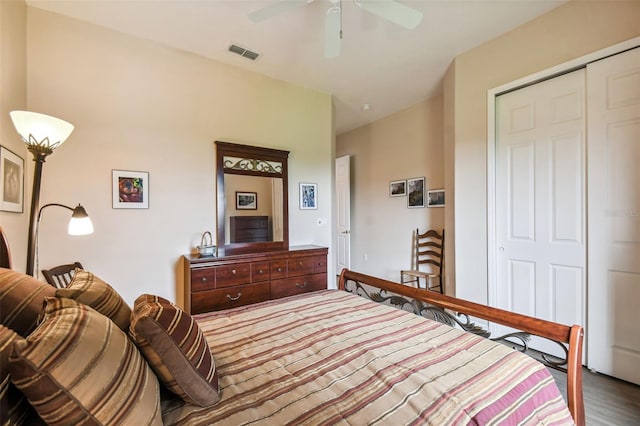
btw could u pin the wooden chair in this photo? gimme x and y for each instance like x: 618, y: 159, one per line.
x: 428, y: 250
x: 5, y: 252
x: 61, y: 276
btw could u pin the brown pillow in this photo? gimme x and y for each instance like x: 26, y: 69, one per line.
x: 176, y: 349
x: 92, y: 291
x: 14, y: 408
x: 21, y: 299
x: 78, y: 368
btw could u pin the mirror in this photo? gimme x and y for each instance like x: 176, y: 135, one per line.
x: 252, y: 195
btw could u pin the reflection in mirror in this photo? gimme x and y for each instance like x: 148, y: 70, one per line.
x: 256, y: 213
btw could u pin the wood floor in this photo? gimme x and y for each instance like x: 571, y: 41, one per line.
x: 608, y: 401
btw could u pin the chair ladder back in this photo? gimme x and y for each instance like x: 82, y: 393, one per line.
x: 428, y: 250
x: 61, y: 276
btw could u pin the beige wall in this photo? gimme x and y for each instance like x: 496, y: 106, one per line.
x: 567, y: 32
x: 404, y: 145
x: 13, y: 95
x: 140, y: 106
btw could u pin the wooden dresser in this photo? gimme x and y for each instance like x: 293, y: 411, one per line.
x: 216, y: 283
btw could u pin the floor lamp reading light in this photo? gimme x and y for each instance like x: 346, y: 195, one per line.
x: 42, y: 134
x: 80, y: 223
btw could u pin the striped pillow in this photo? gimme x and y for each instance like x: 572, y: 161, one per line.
x: 78, y: 368
x: 21, y: 299
x: 14, y: 407
x: 89, y: 289
x: 176, y: 349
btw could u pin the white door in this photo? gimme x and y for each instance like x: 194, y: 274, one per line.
x: 343, y: 213
x: 613, y: 87
x: 540, y: 202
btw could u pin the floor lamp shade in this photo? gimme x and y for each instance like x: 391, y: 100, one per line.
x: 40, y: 129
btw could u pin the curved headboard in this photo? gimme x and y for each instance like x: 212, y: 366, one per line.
x: 5, y: 251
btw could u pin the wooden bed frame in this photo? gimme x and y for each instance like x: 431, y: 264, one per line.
x: 5, y: 252
x: 439, y: 307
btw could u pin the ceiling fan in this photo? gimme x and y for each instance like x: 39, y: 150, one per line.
x: 390, y: 10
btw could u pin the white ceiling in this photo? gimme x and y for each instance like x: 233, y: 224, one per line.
x: 380, y: 63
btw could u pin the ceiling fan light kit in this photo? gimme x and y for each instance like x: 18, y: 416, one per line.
x: 391, y: 10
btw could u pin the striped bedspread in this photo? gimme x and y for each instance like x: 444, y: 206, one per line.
x: 334, y: 358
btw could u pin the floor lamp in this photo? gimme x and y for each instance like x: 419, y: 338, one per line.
x: 42, y: 134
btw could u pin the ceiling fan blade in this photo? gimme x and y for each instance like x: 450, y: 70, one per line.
x: 393, y: 11
x: 332, y: 32
x: 276, y: 8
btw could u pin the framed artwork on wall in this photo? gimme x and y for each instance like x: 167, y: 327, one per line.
x: 11, y: 181
x: 435, y: 198
x: 398, y: 188
x: 415, y: 192
x: 308, y: 196
x: 130, y: 190
x: 246, y: 200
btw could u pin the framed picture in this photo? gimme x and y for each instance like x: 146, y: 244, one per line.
x: 246, y: 200
x: 308, y: 196
x: 398, y: 188
x: 12, y: 181
x: 130, y: 189
x: 435, y: 198
x: 415, y: 191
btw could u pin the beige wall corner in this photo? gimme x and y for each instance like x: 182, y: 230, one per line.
x: 13, y: 80
x: 449, y: 178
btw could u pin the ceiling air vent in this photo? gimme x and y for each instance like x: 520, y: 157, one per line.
x: 243, y: 52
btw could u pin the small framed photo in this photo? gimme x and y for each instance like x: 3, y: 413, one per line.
x: 12, y: 181
x: 246, y: 200
x: 415, y: 192
x: 398, y: 188
x: 308, y: 196
x: 130, y: 190
x: 435, y: 198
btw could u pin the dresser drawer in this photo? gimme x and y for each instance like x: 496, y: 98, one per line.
x: 300, y: 266
x: 278, y: 269
x: 225, y: 298
x: 260, y: 271
x: 233, y: 275
x: 319, y: 264
x: 203, y: 279
x: 298, y: 285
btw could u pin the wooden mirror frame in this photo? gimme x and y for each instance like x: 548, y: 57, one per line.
x: 226, y: 149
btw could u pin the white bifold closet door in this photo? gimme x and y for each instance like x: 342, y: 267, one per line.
x: 568, y: 179
x: 541, y: 201
x: 613, y: 108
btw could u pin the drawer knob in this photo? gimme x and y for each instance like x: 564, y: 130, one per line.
x: 303, y: 285
x: 233, y: 271
x: 203, y: 279
x: 319, y: 263
x: 260, y: 271
x: 300, y: 263
x: 233, y: 299
x: 279, y: 269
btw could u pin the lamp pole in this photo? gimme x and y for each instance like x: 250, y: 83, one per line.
x: 39, y: 155
x: 42, y: 134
